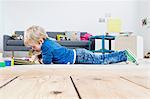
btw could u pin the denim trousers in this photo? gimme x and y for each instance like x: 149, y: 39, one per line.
x: 84, y: 56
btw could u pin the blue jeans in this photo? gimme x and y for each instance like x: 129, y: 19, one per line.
x: 84, y: 56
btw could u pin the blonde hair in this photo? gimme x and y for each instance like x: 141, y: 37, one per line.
x: 33, y: 34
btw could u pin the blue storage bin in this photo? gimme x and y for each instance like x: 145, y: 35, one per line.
x: 7, y: 62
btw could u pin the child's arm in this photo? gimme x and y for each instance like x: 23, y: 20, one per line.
x: 39, y: 58
x: 47, y: 59
x: 46, y: 55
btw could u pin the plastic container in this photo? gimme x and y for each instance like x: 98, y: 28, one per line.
x: 2, y: 64
x: 7, y: 62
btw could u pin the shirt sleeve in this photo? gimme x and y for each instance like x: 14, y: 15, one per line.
x: 47, y: 55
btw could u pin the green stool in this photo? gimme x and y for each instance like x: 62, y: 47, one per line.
x: 103, y: 50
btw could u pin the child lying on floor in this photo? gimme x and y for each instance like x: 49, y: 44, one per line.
x: 52, y: 52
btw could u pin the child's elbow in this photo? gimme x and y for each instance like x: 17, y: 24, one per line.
x: 46, y: 62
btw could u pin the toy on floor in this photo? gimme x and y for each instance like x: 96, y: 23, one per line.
x: 147, y: 55
x: 34, y: 58
x: 6, y: 61
x: 12, y: 61
x: 2, y: 63
x: 23, y: 61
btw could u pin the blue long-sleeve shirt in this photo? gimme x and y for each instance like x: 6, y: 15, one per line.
x: 54, y: 52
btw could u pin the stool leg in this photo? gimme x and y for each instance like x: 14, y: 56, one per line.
x: 109, y: 44
x: 103, y: 45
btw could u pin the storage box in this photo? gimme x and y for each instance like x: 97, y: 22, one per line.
x: 133, y: 43
x: 2, y: 64
x: 7, y: 62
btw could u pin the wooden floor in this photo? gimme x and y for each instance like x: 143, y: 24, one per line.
x: 75, y: 82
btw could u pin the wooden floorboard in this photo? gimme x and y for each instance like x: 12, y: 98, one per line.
x: 106, y: 82
x: 139, y: 80
x: 109, y: 88
x: 6, y: 79
x: 39, y: 87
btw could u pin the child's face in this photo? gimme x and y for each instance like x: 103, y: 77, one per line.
x: 36, y: 47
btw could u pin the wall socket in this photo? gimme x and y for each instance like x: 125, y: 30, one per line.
x: 101, y: 20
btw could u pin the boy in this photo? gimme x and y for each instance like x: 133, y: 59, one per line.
x: 52, y: 52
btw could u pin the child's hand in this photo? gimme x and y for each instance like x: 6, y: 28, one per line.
x: 36, y: 59
x: 33, y: 58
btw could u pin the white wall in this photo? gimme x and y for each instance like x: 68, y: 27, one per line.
x: 1, y: 25
x: 143, y: 12
x: 147, y: 46
x: 81, y: 15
